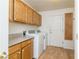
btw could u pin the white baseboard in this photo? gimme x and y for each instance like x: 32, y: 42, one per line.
x: 67, y: 44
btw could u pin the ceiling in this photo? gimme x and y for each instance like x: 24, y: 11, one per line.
x: 45, y: 5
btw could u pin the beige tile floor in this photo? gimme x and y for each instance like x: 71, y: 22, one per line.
x: 57, y: 53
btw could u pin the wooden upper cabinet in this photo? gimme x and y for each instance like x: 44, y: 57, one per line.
x: 11, y: 10
x: 26, y: 14
x: 39, y: 20
x: 68, y: 26
x: 36, y: 19
x: 29, y: 15
x: 19, y: 11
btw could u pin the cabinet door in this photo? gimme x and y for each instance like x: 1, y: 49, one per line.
x: 19, y: 11
x: 68, y: 26
x: 29, y: 15
x: 27, y: 52
x: 35, y: 18
x: 11, y: 10
x: 16, y: 55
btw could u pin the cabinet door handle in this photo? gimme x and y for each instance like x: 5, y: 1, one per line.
x: 18, y: 55
x: 22, y: 50
x: 19, y: 52
x: 14, y: 18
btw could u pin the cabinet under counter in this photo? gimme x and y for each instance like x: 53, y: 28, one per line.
x: 22, y: 50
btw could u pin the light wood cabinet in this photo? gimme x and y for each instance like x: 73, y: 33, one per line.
x: 29, y: 15
x: 23, y: 50
x: 19, y: 11
x: 15, y: 52
x: 27, y: 49
x: 39, y: 20
x: 11, y: 5
x: 27, y: 46
x: 36, y: 19
x: 68, y: 26
x: 15, y: 55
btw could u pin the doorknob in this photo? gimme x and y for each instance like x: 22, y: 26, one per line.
x: 3, y: 55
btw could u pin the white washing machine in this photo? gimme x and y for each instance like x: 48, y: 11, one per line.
x: 38, y: 43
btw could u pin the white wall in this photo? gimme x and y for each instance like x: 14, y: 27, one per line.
x: 53, y: 24
x: 4, y: 25
x: 19, y: 27
x: 76, y: 31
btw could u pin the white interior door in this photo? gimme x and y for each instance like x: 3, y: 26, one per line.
x: 56, y: 30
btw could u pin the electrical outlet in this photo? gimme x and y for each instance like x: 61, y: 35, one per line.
x: 62, y: 42
x: 76, y: 36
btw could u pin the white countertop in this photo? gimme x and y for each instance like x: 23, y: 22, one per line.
x: 15, y: 39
